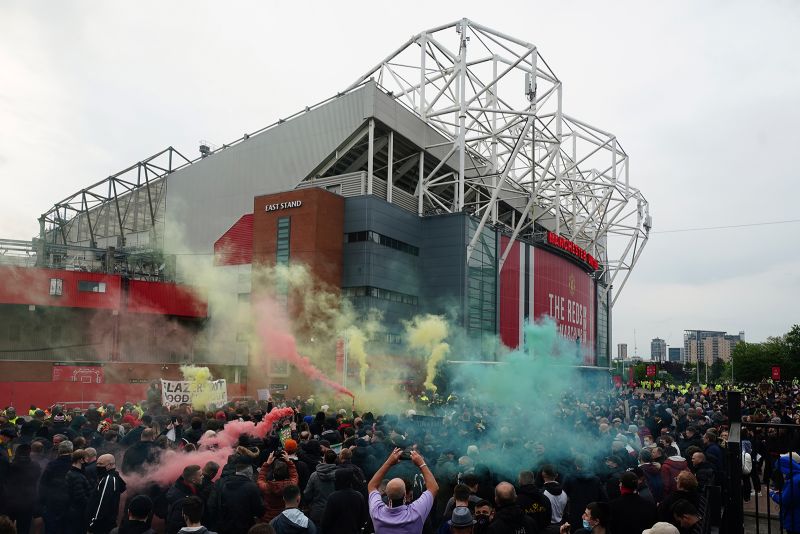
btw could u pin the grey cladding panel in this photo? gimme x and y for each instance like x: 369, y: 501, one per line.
x: 210, y: 195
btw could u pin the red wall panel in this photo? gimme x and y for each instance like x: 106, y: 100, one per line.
x: 26, y: 285
x: 165, y: 299
x: 565, y: 292
x: 235, y: 247
x: 510, y: 295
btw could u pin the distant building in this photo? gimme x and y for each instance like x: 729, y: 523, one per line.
x: 675, y: 354
x: 658, y: 350
x: 709, y: 345
x: 622, y: 351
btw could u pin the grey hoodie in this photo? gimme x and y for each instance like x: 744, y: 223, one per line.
x: 321, y: 484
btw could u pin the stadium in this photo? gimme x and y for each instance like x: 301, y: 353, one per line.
x: 447, y: 179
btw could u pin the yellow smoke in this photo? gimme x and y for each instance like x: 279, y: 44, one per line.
x: 427, y: 333
x: 357, y: 338
x: 199, y: 379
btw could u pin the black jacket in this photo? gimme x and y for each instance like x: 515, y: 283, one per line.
x: 581, y: 490
x: 511, y: 519
x: 665, y: 507
x: 21, y: 482
x: 234, y: 504
x: 535, y: 504
x: 79, y: 491
x: 138, y: 456
x: 53, y: 491
x: 631, y: 514
x: 176, y: 495
x: 104, y: 503
x: 133, y: 527
x: 320, y: 485
x: 345, y: 512
x: 705, y: 473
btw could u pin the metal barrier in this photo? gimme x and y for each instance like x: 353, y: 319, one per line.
x: 768, y: 443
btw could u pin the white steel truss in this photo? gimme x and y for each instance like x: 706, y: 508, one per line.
x: 520, y: 160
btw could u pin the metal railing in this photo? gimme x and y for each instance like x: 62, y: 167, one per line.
x: 776, y: 507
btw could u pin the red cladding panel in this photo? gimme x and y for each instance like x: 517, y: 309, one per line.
x: 510, y: 295
x: 30, y: 285
x: 165, y: 299
x: 235, y: 247
x: 566, y: 293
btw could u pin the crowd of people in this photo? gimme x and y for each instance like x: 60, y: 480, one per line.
x: 607, y: 462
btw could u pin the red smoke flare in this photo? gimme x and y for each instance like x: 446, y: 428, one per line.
x: 279, y: 343
x: 172, y: 463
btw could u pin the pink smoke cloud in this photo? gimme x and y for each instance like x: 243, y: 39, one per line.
x: 277, y: 341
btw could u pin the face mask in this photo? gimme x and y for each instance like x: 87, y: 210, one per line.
x: 482, y: 520
x: 586, y: 524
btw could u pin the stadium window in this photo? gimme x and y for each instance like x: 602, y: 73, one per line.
x: 89, y: 286
x: 56, y: 287
x: 282, y: 245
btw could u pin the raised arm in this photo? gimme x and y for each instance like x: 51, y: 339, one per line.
x: 379, y: 475
x: 430, y: 482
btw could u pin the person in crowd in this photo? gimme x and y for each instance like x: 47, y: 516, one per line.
x: 788, y: 498
x: 346, y: 509
x: 686, y: 517
x: 53, y: 491
x: 103, y: 506
x: 139, y: 510
x: 292, y: 520
x: 662, y: 527
x: 462, y: 496
x: 275, y: 475
x: 583, y: 488
x: 532, y: 500
x: 141, y: 454
x: 670, y: 468
x: 90, y: 465
x: 484, y: 515
x: 594, y: 520
x: 235, y: 502
x: 210, y: 471
x: 509, y: 516
x: 192, y: 512
x: 320, y: 485
x: 187, y: 485
x: 713, y: 452
x: 630, y: 513
x: 79, y: 489
x: 555, y: 494
x: 461, y: 521
x: 21, y: 500
x: 703, y: 470
x: 303, y: 472
x: 687, y: 490
x: 399, y: 516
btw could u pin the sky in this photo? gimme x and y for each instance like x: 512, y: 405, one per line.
x: 703, y: 96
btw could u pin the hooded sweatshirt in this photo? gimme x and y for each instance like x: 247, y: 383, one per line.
x: 669, y: 471
x: 558, y: 500
x: 320, y: 485
x: 293, y: 521
x: 789, y: 497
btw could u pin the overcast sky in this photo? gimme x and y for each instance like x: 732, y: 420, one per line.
x: 704, y: 97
